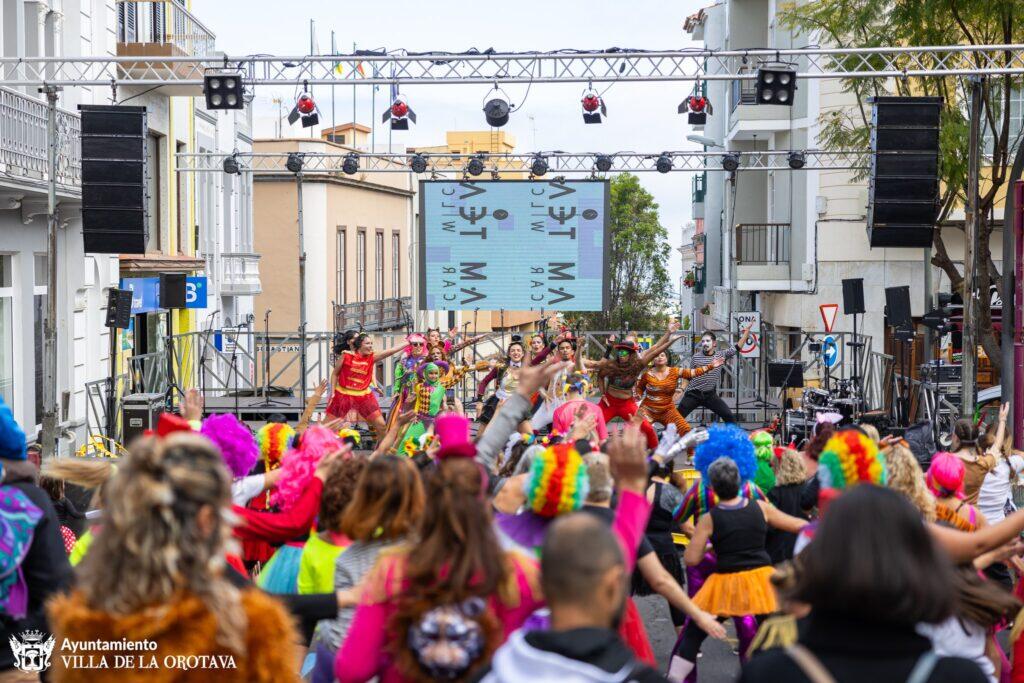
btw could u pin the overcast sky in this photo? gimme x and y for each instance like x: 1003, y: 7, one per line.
x: 641, y: 117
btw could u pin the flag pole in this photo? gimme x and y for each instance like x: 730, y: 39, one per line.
x: 334, y: 51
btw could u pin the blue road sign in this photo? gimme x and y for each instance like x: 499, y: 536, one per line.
x: 829, y: 351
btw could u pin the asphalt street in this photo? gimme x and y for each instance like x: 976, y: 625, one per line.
x: 717, y: 664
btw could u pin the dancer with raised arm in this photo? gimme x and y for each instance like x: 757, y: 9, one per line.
x: 703, y: 390
x: 350, y: 382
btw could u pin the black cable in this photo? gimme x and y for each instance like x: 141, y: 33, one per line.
x: 139, y: 94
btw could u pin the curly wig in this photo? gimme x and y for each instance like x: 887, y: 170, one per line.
x: 904, y: 474
x: 274, y: 440
x: 764, y: 451
x: 299, y: 465
x: 726, y: 441
x: 557, y: 483
x: 235, y: 442
x: 790, y: 468
x: 850, y: 457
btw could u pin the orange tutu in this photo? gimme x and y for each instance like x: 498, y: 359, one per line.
x: 737, y: 594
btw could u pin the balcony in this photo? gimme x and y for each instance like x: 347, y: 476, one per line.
x: 240, y: 274
x: 23, y: 144
x: 749, y: 120
x: 373, y: 316
x: 161, y: 28
x: 762, y: 254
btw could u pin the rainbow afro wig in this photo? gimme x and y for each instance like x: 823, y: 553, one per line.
x: 945, y: 477
x: 235, y: 441
x: 764, y: 449
x: 557, y: 483
x: 726, y: 441
x: 274, y: 439
x: 850, y: 457
x: 299, y: 465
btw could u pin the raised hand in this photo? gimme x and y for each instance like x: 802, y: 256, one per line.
x: 533, y: 377
x: 323, y: 467
x: 627, y: 460
x: 192, y: 405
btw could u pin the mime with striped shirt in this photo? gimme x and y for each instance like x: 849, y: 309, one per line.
x: 702, y: 391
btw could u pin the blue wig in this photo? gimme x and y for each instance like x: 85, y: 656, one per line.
x: 726, y: 441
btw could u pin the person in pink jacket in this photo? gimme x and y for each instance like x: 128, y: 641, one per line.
x: 440, y: 608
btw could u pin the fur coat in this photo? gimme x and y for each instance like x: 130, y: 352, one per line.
x: 185, y: 635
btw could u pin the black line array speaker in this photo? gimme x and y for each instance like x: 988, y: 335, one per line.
x: 903, y: 187
x: 172, y: 290
x: 114, y: 206
x: 897, y: 308
x: 853, y: 296
x: 119, y: 308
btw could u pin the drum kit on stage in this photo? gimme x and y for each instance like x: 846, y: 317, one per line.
x: 798, y: 423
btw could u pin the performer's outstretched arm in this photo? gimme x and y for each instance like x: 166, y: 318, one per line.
x: 663, y: 343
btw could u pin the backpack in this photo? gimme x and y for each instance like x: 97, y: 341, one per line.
x: 19, y: 517
x: 447, y: 641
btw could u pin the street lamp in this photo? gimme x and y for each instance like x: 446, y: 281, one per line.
x: 705, y: 140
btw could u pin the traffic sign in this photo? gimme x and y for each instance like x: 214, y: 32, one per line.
x: 828, y: 315
x: 741, y: 320
x: 829, y: 351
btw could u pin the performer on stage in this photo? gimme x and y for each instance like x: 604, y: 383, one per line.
x: 703, y: 390
x: 506, y: 375
x: 658, y: 386
x: 555, y: 393
x: 619, y: 374
x: 350, y: 383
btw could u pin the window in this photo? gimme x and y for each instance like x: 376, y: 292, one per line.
x: 361, y: 265
x: 153, y: 239
x: 39, y: 317
x: 341, y: 295
x: 396, y: 261
x: 6, y: 331
x: 127, y: 22
x: 1016, y: 121
x: 378, y: 270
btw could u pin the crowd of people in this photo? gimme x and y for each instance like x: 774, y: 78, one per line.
x: 508, y: 547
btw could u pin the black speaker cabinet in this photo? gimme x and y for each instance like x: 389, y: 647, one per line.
x: 903, y: 184
x: 785, y: 373
x: 172, y: 290
x: 119, y: 308
x: 897, y: 308
x: 114, y: 208
x: 853, y: 296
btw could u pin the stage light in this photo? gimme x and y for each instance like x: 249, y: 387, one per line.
x: 731, y: 162
x: 797, y: 160
x: 350, y: 164
x: 603, y: 163
x: 663, y: 164
x: 593, y: 106
x: 475, y: 166
x: 305, y: 109
x: 496, y: 111
x: 539, y: 165
x: 775, y: 86
x: 223, y: 90
x: 231, y: 165
x: 697, y: 106
x: 294, y: 162
x: 400, y: 114
x: 418, y: 163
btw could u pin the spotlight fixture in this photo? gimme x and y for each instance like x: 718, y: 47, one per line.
x: 294, y: 162
x: 350, y: 164
x: 475, y: 166
x: 231, y: 165
x: 497, y: 109
x: 223, y: 90
x: 664, y: 163
x: 594, y: 108
x: 731, y: 162
x: 775, y: 86
x: 796, y: 160
x: 539, y: 165
x: 603, y: 163
x: 400, y: 114
x: 697, y: 106
x: 418, y: 163
x: 305, y: 108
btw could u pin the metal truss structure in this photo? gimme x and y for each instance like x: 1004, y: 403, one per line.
x: 558, y: 162
x: 561, y: 66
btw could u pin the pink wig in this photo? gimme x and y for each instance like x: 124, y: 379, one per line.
x: 298, y: 466
x: 415, y: 337
x: 236, y: 443
x: 945, y: 477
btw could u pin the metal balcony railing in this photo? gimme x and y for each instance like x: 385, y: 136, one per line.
x: 699, y: 187
x: 23, y: 142
x: 162, y: 28
x: 761, y: 244
x: 742, y: 92
x: 380, y: 314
